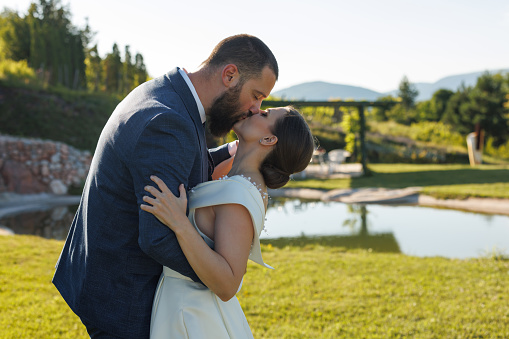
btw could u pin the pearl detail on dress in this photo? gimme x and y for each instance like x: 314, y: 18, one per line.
x: 264, y: 195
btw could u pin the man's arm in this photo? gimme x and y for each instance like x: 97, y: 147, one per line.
x: 166, y: 148
x: 223, y: 159
x: 224, y: 152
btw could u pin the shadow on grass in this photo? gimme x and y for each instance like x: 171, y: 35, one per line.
x: 382, y: 243
x: 432, y: 178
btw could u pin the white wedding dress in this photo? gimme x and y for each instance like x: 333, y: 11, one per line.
x: 185, y: 309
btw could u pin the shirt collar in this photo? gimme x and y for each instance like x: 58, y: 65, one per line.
x: 195, y: 95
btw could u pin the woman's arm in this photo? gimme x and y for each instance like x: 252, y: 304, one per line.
x: 220, y: 269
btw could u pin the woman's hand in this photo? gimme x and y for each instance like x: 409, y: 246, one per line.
x: 166, y: 207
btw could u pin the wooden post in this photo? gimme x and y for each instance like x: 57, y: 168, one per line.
x: 362, y: 134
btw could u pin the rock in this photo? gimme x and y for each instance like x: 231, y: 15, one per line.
x: 58, y: 187
x: 5, y: 231
x: 18, y: 178
x: 36, y: 166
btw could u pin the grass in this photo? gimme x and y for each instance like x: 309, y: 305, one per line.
x: 441, y: 181
x: 316, y: 291
x: 30, y: 306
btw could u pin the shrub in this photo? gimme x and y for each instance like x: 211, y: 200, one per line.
x: 16, y: 72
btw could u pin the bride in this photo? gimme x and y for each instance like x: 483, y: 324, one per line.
x: 222, y: 231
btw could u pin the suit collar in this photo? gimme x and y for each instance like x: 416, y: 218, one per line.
x: 182, y: 89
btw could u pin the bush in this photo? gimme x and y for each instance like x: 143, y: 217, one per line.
x: 16, y: 72
x: 435, y: 132
x: 75, y: 118
x: 500, y: 152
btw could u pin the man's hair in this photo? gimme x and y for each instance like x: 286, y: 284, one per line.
x: 247, y: 52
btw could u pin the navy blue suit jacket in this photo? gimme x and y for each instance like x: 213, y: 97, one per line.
x: 113, y: 256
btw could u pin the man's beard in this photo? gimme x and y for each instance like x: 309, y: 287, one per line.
x: 224, y: 112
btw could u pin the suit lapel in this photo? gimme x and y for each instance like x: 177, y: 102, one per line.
x: 187, y: 97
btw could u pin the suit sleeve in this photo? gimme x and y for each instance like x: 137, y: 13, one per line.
x: 219, y: 154
x: 166, y: 148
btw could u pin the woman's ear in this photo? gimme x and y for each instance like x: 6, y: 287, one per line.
x: 269, y: 141
x: 230, y: 75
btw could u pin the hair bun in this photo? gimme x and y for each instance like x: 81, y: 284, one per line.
x: 291, y: 153
x: 274, y: 177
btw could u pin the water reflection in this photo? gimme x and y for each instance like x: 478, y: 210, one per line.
x: 356, y: 222
x: 413, y: 230
x: 50, y: 223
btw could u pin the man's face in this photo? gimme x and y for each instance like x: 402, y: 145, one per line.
x: 239, y: 102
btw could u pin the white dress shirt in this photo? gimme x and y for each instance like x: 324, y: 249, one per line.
x: 195, y: 95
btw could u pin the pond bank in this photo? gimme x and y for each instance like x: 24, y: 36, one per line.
x: 11, y: 203
x: 16, y: 203
x: 404, y: 196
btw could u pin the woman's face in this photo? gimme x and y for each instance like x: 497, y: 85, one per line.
x: 258, y: 126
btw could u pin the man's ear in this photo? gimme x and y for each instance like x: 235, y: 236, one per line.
x: 269, y: 141
x: 230, y: 75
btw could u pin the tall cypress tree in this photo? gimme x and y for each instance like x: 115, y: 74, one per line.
x: 140, y: 72
x: 113, y: 70
x: 128, y: 72
x: 94, y: 70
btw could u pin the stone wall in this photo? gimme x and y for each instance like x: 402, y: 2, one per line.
x: 30, y: 166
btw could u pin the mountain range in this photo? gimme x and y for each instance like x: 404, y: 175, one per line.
x: 323, y: 91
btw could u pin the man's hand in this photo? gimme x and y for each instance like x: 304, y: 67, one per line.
x: 232, y: 147
x: 166, y: 207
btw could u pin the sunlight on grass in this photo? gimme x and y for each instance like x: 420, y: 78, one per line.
x: 441, y: 181
x: 314, y: 292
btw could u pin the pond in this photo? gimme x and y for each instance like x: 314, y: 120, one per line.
x: 412, y: 230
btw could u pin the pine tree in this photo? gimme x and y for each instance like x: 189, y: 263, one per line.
x: 407, y: 93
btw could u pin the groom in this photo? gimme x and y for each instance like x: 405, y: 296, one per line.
x: 113, y: 256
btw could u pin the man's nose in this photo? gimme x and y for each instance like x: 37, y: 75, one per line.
x: 255, y: 109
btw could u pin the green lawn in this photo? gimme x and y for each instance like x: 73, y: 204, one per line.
x: 441, y: 181
x: 316, y: 291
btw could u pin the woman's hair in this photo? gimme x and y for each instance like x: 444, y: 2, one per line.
x: 247, y: 52
x: 292, y: 152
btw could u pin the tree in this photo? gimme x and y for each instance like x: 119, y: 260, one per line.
x: 380, y: 113
x: 484, y: 104
x: 14, y: 36
x: 433, y: 109
x: 488, y: 99
x: 55, y: 46
x: 127, y: 72
x: 113, y: 70
x: 407, y: 92
x: 457, y: 113
x: 404, y: 112
x: 94, y: 69
x: 140, y: 71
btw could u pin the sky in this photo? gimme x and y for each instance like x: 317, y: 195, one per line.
x: 366, y: 43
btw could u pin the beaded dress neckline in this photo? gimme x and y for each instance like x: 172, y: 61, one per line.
x: 264, y: 195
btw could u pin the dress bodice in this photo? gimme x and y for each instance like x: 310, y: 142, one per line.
x: 231, y: 190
